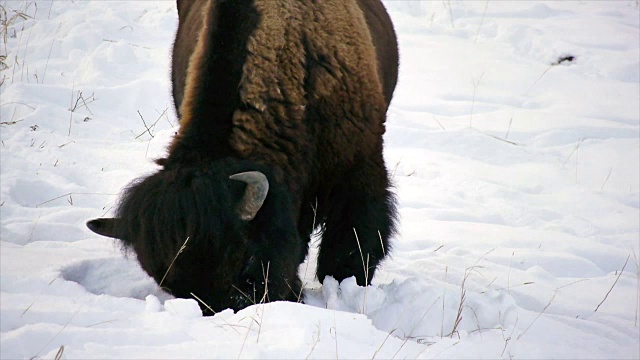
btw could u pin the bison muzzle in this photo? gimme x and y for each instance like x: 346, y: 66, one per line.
x: 282, y: 105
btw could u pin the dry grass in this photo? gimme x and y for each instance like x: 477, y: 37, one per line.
x: 59, y: 353
x: 12, y: 26
x: 607, y: 179
x: 258, y: 316
x: 49, y: 56
x: 538, y: 316
x: 463, y: 293
x: 508, y: 338
x: 509, y: 273
x: 203, y: 303
x: 245, y: 340
x: 463, y: 298
x: 182, y: 248
x: 78, y: 102
x: 561, y: 60
x: 614, y: 283
x: 10, y: 17
x: 58, y: 333
x: 439, y: 123
x: 635, y: 260
x: 475, y: 82
x: 486, y: 5
x: 506, y: 136
x: 381, y: 345
x: 415, y: 326
x: 72, y: 193
x: 446, y: 271
x: 575, y: 151
x: 3, y: 66
x: 9, y: 21
x: 448, y: 6
x: 161, y: 115
x: 365, y: 268
x: 316, y: 340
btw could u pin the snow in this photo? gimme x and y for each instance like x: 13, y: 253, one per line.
x: 518, y: 184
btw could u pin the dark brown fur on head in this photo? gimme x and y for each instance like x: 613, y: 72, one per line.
x: 221, y: 262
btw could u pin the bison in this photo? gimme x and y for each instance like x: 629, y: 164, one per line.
x: 282, y: 105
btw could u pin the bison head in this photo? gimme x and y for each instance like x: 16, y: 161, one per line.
x: 192, y: 230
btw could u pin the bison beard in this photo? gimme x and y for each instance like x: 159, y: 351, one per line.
x: 292, y: 95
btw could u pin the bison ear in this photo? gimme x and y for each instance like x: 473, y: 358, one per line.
x: 103, y: 226
x: 254, y: 194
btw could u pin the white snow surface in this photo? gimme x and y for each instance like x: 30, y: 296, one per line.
x: 517, y: 180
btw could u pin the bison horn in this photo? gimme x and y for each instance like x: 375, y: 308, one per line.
x: 254, y: 194
x: 103, y: 226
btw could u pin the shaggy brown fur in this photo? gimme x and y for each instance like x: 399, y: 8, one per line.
x: 296, y: 89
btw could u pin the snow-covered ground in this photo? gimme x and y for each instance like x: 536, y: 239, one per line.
x: 518, y: 183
